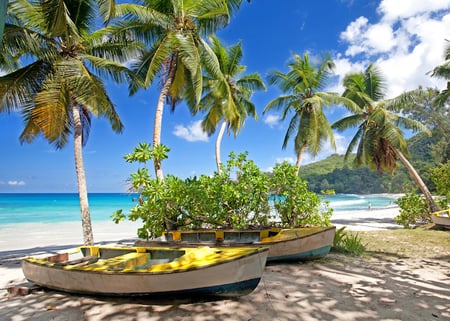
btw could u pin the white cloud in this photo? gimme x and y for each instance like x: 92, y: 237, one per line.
x: 407, y: 42
x: 272, y: 120
x: 395, y: 9
x: 16, y: 183
x: 191, y: 133
x: 290, y: 160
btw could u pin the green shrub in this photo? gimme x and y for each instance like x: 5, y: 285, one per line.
x: 349, y: 243
x: 293, y: 202
x: 414, y: 211
x: 238, y: 197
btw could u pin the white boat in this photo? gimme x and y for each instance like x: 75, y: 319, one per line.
x: 99, y: 270
x: 441, y: 218
x: 294, y: 244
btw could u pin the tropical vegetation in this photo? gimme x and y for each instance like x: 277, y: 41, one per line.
x: 177, y: 51
x: 227, y: 99
x: 378, y: 141
x: 304, y: 101
x: 240, y: 196
x: 60, y: 87
x: 55, y: 60
x: 3, y: 6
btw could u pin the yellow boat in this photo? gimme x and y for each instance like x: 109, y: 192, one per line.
x: 124, y: 271
x: 441, y: 218
x: 296, y: 244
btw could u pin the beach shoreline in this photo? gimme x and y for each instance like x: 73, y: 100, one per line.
x: 25, y: 236
x: 334, y: 288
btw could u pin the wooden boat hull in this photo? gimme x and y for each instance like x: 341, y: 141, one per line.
x: 226, y: 275
x: 441, y: 218
x: 298, y: 244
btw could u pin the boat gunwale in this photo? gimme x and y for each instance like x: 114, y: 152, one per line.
x: 231, y: 244
x: 85, y: 268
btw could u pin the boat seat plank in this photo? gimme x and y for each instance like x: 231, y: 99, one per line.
x: 81, y: 261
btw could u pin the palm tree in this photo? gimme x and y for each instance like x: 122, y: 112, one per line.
x: 3, y: 6
x: 379, y: 142
x: 177, y: 52
x: 56, y: 91
x: 227, y: 99
x: 302, y: 84
x: 443, y: 71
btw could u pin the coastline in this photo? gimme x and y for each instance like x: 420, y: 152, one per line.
x: 334, y: 288
x: 367, y: 220
x: 25, y: 236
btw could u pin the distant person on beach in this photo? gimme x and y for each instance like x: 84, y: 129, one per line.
x: 369, y: 206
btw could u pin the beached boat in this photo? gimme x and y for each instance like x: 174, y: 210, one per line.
x: 296, y: 244
x: 99, y: 270
x: 441, y: 218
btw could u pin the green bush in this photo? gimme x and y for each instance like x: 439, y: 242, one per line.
x: 238, y: 197
x: 293, y: 202
x: 414, y: 211
x: 349, y: 243
x: 441, y: 178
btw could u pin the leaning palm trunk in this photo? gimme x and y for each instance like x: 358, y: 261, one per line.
x: 218, y: 143
x: 81, y: 177
x: 3, y: 7
x: 157, y: 130
x: 426, y: 193
x: 159, y: 113
x: 299, y: 159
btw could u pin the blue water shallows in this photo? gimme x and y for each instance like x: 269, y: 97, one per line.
x: 353, y: 202
x: 58, y: 207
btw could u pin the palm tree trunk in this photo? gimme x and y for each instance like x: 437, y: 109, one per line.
x: 159, y: 113
x: 157, y: 132
x: 81, y: 177
x: 299, y: 159
x: 426, y: 193
x: 3, y: 8
x: 218, y: 143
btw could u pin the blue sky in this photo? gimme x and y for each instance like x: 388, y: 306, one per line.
x: 405, y: 38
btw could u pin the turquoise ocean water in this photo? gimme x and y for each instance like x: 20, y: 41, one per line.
x: 54, y: 208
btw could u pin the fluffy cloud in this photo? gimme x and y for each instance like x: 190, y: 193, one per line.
x: 290, y: 160
x: 407, y: 42
x: 191, y: 133
x: 394, y: 9
x: 272, y: 120
x: 16, y: 183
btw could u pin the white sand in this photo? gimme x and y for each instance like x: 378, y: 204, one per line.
x: 341, y: 288
x: 375, y: 219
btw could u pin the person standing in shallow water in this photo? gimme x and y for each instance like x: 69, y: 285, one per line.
x: 369, y: 207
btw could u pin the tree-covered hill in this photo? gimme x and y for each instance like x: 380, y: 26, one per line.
x: 333, y: 173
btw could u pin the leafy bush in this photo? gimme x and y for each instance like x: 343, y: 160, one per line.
x: 414, y: 210
x: 236, y: 198
x: 295, y: 204
x: 348, y: 242
x: 441, y: 178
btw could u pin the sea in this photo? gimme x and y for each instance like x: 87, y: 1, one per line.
x: 61, y: 207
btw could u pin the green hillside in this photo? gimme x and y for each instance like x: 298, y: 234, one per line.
x: 342, y: 177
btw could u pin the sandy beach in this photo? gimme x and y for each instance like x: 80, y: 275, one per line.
x: 334, y: 288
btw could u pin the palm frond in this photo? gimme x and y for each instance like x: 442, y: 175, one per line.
x: 107, y: 9
x: 348, y: 122
x: 17, y: 88
x: 281, y: 102
x: 58, y: 19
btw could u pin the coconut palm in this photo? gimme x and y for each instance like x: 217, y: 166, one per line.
x: 175, y: 31
x: 379, y: 142
x: 57, y: 90
x: 302, y: 85
x: 443, y: 71
x: 227, y: 99
x: 3, y: 6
